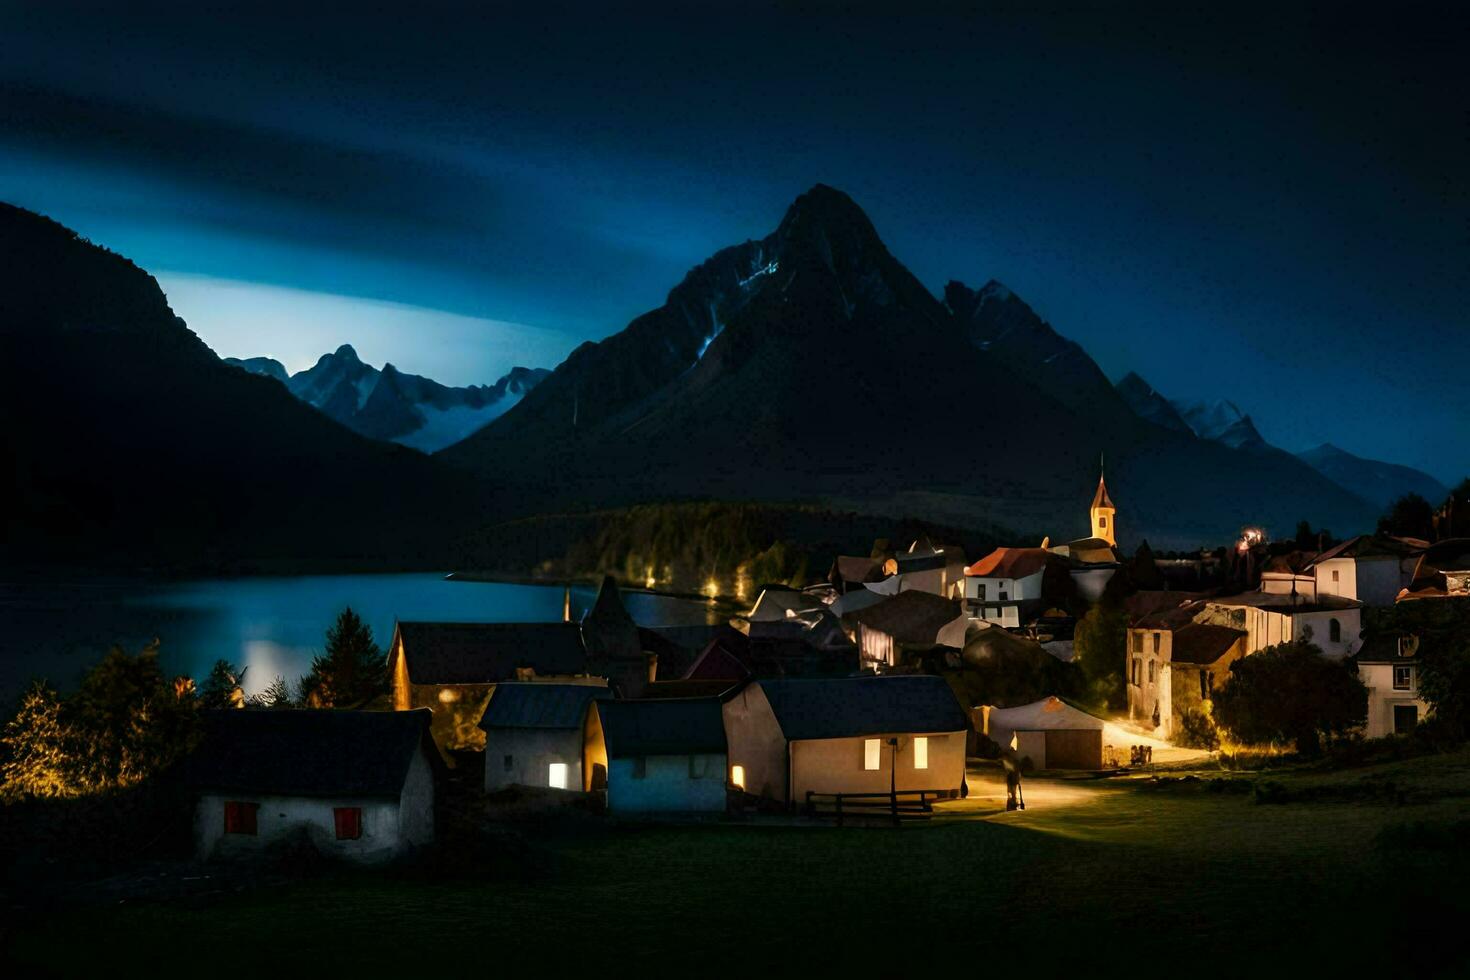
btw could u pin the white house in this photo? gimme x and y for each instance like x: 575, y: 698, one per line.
x: 792, y: 736
x: 661, y: 756
x: 534, y: 736
x: 356, y: 785
x: 1005, y: 586
x: 1372, y: 569
x: 1386, y: 666
x: 1334, y: 623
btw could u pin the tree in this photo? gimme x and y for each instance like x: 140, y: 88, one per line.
x: 1290, y: 693
x: 351, y: 670
x: 1410, y: 516
x: 35, y: 744
x: 223, y: 687
x: 1100, y: 649
x: 277, y: 695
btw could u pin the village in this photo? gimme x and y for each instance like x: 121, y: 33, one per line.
x: 847, y: 701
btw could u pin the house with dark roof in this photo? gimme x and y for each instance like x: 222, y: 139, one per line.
x: 1388, y: 667
x: 356, y: 785
x: 1441, y: 572
x: 1175, y: 665
x: 789, y: 737
x: 1371, y: 568
x: 660, y: 756
x: 1334, y: 623
x: 911, y: 621
x: 452, y: 668
x: 1050, y: 733
x: 534, y: 735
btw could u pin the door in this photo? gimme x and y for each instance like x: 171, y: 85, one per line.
x: 1074, y: 749
x: 1405, y: 717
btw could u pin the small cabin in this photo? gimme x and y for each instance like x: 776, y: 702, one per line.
x: 354, y: 785
x: 534, y: 736
x: 1050, y: 732
x: 660, y: 756
x: 792, y: 736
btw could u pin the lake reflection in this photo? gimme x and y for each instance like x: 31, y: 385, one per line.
x: 269, y: 625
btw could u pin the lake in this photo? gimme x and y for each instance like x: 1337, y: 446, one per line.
x: 269, y: 625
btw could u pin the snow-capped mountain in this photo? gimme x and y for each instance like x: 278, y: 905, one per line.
x: 1148, y: 404
x: 1221, y: 421
x: 390, y: 405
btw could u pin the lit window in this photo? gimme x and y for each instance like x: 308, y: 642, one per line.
x: 448, y: 695
x: 349, y: 822
x: 1102, y: 521
x: 556, y: 776
x: 737, y: 776
x: 872, y: 753
x: 1403, y: 678
x: 240, y: 818
x: 921, y: 752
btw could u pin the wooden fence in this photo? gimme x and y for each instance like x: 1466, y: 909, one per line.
x: 908, y: 804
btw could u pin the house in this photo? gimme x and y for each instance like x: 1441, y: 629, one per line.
x: 1174, y: 667
x: 924, y: 566
x: 1442, y: 572
x: 660, y: 756
x: 1290, y: 574
x: 1050, y: 733
x: 452, y: 669
x: 791, y: 737
x: 1371, y: 568
x: 733, y: 657
x: 356, y: 785
x: 1387, y: 667
x: 534, y: 736
x: 782, y: 613
x: 1005, y: 587
x: 1093, y: 560
x: 911, y: 621
x: 1333, y: 622
x: 849, y: 572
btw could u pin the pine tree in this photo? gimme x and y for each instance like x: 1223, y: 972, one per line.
x: 277, y: 695
x: 223, y: 687
x: 36, y: 760
x: 351, y: 670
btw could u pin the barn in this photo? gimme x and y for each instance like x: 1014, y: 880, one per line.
x: 1050, y: 732
x: 355, y: 785
x: 661, y: 756
x: 534, y: 735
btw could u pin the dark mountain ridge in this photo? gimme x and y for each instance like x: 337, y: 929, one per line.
x: 812, y: 365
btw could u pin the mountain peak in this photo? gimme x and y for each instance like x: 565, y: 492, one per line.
x: 347, y: 353
x: 829, y: 209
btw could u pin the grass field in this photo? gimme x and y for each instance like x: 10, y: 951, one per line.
x: 1116, y: 876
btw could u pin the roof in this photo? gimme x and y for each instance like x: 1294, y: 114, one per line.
x: 1368, y: 546
x: 1162, y: 609
x: 1047, y: 714
x: 1387, y: 648
x: 532, y: 705
x: 487, y: 653
x: 845, y: 707
x: 855, y: 568
x: 318, y: 753
x: 1202, y: 643
x: 779, y: 603
x: 689, y: 687
x: 1101, y: 498
x: 1276, y: 602
x: 1009, y: 563
x: 909, y: 617
x: 662, y: 727
x: 1088, y: 551
x: 859, y: 598
x: 1450, y: 555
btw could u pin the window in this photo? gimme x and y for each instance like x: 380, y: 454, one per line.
x: 1157, y: 641
x: 1403, y: 677
x: 349, y: 822
x: 1150, y: 670
x: 1136, y: 665
x: 1206, y: 684
x: 556, y: 775
x: 1102, y: 522
x: 1334, y: 631
x: 921, y: 752
x: 1004, y: 596
x: 872, y: 753
x: 509, y: 763
x: 1137, y: 642
x: 640, y: 767
x: 1334, y: 576
x: 981, y: 593
x: 240, y: 817
x: 737, y: 776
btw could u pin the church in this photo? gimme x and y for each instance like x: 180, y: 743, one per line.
x: 1093, y: 560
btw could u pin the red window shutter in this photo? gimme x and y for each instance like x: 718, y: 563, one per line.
x: 349, y: 822
x: 240, y: 817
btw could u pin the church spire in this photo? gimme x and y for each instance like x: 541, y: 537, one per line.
x: 1103, y: 511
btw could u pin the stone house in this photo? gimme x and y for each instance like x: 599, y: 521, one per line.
x: 534, y: 735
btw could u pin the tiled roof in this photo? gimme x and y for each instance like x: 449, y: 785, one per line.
x: 1009, y: 563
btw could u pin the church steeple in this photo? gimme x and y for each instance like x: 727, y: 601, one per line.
x: 1103, y: 512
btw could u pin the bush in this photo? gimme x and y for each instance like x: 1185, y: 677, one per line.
x: 1290, y: 694
x: 1197, y: 731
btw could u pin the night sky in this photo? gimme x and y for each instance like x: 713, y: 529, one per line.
x: 1264, y: 207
